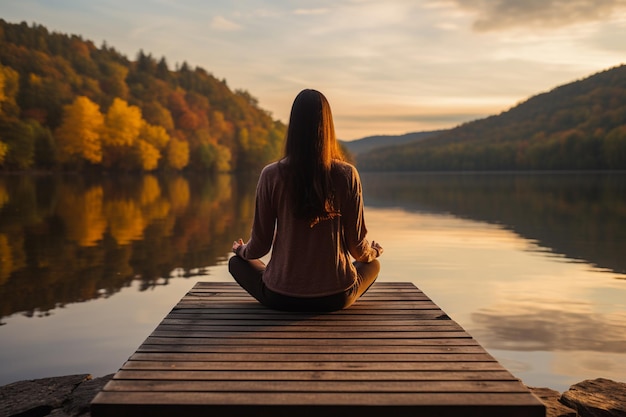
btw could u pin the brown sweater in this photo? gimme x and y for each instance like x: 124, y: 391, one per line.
x: 309, y: 261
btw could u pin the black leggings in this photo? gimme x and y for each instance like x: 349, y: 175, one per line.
x: 249, y: 275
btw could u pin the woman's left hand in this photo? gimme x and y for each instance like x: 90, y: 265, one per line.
x: 379, y: 249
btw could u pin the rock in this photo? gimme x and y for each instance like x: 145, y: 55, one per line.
x: 38, y: 397
x: 551, y: 400
x: 64, y: 396
x: 597, y: 398
x: 58, y: 412
x: 80, y: 400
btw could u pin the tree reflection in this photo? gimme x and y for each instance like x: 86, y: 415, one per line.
x: 72, y: 238
x: 82, y: 214
x: 67, y: 239
x: 579, y: 215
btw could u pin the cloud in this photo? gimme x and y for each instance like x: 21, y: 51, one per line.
x: 311, y: 11
x: 528, y: 327
x: 220, y: 23
x: 494, y: 15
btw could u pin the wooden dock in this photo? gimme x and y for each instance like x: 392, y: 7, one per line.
x: 220, y: 353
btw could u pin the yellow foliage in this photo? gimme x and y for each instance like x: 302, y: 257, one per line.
x: 158, y: 210
x: 6, y: 259
x: 152, y: 204
x: 224, y: 156
x: 148, y: 156
x: 155, y: 135
x: 179, y: 193
x: 177, y: 154
x: 79, y: 134
x: 150, y: 190
x: 125, y: 219
x: 9, y: 84
x: 2, y: 82
x: 4, y: 148
x: 4, y: 194
x: 122, y: 124
x: 243, y: 138
x: 12, y: 255
x: 220, y: 128
x: 34, y: 79
x: 223, y: 188
x: 82, y: 214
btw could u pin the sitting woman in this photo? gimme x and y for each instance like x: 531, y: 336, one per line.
x: 309, y: 212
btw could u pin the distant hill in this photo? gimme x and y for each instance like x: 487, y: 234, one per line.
x: 580, y: 125
x: 359, y: 146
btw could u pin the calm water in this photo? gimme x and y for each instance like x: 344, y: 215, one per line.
x: 532, y: 265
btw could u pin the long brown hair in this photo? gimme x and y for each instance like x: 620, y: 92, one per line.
x: 310, y: 148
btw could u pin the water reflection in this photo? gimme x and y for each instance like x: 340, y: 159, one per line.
x: 81, y: 238
x: 581, y: 216
x: 551, y: 322
x: 543, y: 304
x: 65, y: 239
x: 560, y: 326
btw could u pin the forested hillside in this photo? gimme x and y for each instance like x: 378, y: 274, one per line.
x: 67, y: 104
x: 359, y: 146
x: 581, y: 125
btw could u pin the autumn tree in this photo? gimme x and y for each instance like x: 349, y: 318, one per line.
x: 215, y: 157
x: 79, y: 137
x: 177, y: 154
x: 154, y: 113
x: 19, y: 137
x: 114, y: 81
x: 156, y: 136
x: 53, y: 69
x: 122, y: 125
x: 23, y: 140
x: 146, y: 156
x: 9, y: 81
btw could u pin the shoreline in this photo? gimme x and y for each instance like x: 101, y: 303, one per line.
x: 71, y: 395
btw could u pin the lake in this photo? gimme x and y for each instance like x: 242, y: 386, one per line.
x: 533, y: 265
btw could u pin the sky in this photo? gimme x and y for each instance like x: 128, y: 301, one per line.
x: 387, y: 67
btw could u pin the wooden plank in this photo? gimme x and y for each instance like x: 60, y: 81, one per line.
x: 310, y: 335
x: 312, y: 342
x: 182, y: 355
x: 219, y: 352
x: 164, y: 384
x: 164, y: 373
x: 151, y: 361
x: 305, y: 349
x: 161, y: 404
x: 465, y: 399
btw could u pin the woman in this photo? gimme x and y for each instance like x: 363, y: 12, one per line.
x: 309, y: 212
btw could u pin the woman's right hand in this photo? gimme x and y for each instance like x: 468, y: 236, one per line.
x: 236, y: 245
x: 376, y: 246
